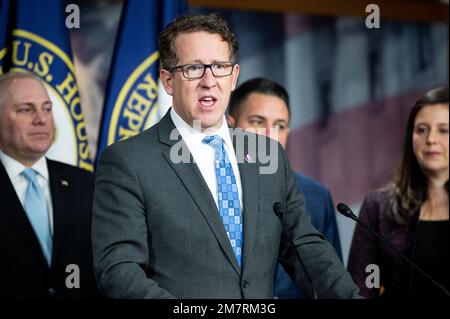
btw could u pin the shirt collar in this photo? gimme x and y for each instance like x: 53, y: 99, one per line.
x: 14, y: 167
x: 194, y: 136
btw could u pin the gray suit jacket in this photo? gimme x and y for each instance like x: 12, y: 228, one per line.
x: 157, y: 232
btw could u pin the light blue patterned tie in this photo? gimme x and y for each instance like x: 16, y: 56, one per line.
x: 228, y: 195
x: 37, y: 212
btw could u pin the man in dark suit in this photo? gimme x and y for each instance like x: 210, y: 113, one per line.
x: 186, y: 209
x: 45, y: 206
x: 262, y: 106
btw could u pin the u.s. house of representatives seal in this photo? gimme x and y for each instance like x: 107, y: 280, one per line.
x: 136, y: 105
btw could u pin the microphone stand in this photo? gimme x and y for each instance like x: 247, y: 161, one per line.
x: 347, y: 212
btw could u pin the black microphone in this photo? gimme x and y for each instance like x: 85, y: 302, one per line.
x: 347, y: 212
x: 278, y: 209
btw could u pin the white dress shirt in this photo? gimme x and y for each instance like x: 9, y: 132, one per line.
x: 14, y: 169
x: 203, y: 154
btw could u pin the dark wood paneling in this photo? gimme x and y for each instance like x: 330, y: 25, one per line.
x: 405, y: 10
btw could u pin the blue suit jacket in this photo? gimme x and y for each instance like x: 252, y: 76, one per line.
x: 320, y: 206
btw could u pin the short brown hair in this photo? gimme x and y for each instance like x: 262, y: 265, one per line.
x: 212, y: 23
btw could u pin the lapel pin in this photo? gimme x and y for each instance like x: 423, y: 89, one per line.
x: 64, y: 182
x: 248, y: 157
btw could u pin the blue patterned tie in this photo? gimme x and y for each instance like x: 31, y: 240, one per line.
x: 37, y: 212
x: 228, y: 195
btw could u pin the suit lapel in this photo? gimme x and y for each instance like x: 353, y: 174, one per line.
x: 59, y: 188
x: 12, y: 209
x: 248, y: 170
x: 190, y: 176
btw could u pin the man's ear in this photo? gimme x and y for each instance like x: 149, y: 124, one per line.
x: 235, y: 76
x: 166, y: 80
x: 231, y: 121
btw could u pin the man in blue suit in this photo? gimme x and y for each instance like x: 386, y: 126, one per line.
x: 262, y: 106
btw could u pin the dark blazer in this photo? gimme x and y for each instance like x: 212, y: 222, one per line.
x: 24, y: 273
x: 367, y: 249
x: 319, y: 205
x: 157, y: 232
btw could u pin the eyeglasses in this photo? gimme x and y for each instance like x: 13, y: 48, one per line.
x: 196, y: 71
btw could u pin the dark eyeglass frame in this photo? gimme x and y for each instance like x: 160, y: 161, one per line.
x: 205, y: 66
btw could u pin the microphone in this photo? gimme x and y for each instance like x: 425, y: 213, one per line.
x: 278, y: 209
x: 347, y: 212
